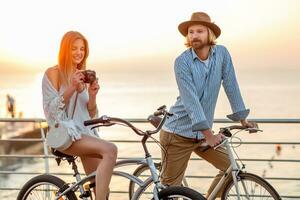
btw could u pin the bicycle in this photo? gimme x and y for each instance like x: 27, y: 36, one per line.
x: 241, y: 185
x: 48, y: 187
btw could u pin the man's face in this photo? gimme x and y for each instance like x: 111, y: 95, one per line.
x: 198, y: 36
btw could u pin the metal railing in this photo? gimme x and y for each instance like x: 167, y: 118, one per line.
x: 46, y: 156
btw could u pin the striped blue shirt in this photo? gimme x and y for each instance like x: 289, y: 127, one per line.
x: 199, y: 86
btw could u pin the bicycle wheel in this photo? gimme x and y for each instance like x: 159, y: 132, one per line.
x: 143, y: 173
x: 44, y: 187
x: 251, y: 187
x: 179, y: 193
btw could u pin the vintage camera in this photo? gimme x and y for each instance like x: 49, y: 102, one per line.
x: 89, y: 76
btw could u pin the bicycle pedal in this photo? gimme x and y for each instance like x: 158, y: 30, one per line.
x: 85, y: 194
x: 92, y: 185
x: 58, y: 160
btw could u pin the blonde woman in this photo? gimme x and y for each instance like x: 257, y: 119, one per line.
x: 61, y: 83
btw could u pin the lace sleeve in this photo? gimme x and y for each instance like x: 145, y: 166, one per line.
x: 53, y: 103
x: 55, y: 109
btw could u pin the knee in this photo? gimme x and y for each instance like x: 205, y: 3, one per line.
x: 111, y: 151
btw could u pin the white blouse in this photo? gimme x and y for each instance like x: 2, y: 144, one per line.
x: 57, y: 112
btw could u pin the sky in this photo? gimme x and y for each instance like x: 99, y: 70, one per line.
x: 134, y: 33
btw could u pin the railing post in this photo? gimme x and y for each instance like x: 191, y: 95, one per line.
x: 45, y: 149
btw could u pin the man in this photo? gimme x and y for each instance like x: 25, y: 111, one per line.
x: 199, y: 71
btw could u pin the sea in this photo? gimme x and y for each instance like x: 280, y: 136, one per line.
x: 270, y: 93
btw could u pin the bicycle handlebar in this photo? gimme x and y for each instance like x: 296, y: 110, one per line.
x: 103, y: 119
x: 107, y: 121
x: 226, y: 130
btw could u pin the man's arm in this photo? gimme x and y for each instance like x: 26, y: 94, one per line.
x: 192, y: 104
x: 232, y: 90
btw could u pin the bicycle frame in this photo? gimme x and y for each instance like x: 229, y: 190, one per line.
x: 142, y: 184
x: 147, y: 160
x: 237, y: 186
x: 233, y: 169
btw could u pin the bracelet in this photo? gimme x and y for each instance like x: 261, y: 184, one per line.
x: 94, y: 108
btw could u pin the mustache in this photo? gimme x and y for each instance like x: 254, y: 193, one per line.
x: 196, y: 40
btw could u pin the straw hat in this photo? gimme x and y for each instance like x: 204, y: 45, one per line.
x: 199, y: 18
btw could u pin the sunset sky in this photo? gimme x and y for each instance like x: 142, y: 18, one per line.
x: 258, y: 33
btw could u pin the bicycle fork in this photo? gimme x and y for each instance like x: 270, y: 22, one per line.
x: 234, y: 170
x: 155, y: 177
x: 152, y: 168
x: 235, y: 173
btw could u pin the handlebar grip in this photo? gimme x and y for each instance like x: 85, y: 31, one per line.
x: 154, y: 120
x: 102, y: 120
x: 163, y: 107
x: 158, y: 112
x: 237, y: 127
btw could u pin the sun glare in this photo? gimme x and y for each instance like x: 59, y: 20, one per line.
x: 31, y: 32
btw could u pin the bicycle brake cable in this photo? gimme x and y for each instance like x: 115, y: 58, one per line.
x: 233, y: 147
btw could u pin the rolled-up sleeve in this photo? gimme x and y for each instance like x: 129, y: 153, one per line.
x: 232, y: 90
x: 189, y: 96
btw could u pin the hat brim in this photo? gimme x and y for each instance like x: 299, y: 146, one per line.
x: 183, y: 27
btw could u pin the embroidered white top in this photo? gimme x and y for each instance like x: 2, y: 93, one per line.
x: 56, y: 111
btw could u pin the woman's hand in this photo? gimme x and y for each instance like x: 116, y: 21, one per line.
x: 77, y: 79
x: 76, y: 84
x: 93, y: 89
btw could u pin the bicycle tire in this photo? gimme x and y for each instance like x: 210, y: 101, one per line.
x: 142, y: 168
x: 253, y: 181
x: 178, y: 193
x: 137, y: 172
x: 27, y: 190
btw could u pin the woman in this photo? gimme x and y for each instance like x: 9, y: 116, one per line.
x: 61, y: 83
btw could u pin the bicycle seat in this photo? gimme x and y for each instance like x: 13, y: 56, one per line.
x: 60, y: 154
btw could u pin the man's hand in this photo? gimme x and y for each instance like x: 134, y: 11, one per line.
x: 211, y: 139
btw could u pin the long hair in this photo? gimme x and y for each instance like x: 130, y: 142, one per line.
x: 65, y: 56
x: 211, y: 39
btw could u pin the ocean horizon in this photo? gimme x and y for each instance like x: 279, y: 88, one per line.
x: 270, y: 94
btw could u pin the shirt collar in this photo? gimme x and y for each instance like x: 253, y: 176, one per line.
x: 212, y: 51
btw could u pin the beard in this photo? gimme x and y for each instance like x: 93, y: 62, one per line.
x: 198, y: 44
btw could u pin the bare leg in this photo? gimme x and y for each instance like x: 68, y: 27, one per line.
x: 89, y: 146
x: 90, y: 165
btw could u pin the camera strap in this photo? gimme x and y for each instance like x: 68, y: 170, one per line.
x: 75, y: 105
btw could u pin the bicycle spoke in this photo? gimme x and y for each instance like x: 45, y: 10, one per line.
x: 251, y: 188
x: 43, y: 192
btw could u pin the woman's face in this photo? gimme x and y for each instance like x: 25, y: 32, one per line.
x: 78, y: 51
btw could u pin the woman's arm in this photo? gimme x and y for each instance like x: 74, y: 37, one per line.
x: 92, y: 104
x: 76, y: 82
